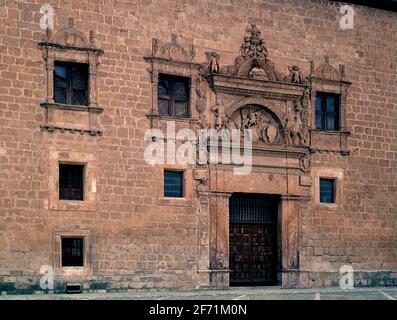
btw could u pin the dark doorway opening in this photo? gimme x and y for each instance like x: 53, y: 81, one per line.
x: 253, y: 239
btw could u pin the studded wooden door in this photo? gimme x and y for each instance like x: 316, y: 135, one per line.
x: 253, y: 240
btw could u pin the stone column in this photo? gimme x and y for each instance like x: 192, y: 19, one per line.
x: 219, y: 240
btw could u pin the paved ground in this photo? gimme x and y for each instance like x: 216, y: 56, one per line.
x: 268, y: 293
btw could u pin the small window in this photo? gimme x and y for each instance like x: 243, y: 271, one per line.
x: 72, y: 252
x: 173, y: 96
x: 71, y: 182
x: 327, y: 190
x: 327, y: 111
x: 71, y: 83
x: 173, y: 184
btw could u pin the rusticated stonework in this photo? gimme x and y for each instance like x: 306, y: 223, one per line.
x: 247, y: 69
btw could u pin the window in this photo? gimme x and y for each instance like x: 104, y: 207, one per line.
x: 72, y: 252
x: 71, y: 182
x: 71, y: 83
x: 327, y: 111
x: 173, y: 184
x: 173, y: 96
x: 327, y: 190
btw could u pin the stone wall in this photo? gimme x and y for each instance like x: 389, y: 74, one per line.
x: 139, y: 239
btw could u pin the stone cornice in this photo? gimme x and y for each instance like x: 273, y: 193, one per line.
x: 274, y: 89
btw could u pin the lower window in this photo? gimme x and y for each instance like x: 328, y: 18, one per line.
x: 173, y: 184
x: 72, y: 252
x: 327, y: 190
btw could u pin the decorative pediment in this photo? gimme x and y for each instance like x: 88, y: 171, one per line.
x: 327, y: 72
x: 69, y: 38
x: 173, y: 51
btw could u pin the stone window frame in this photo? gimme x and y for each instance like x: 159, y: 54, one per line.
x: 187, y: 199
x: 89, y: 202
x: 335, y: 174
x: 72, y: 232
x: 175, y: 60
x: 70, y: 45
x: 327, y: 79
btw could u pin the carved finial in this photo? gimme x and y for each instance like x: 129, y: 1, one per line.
x: 48, y: 34
x: 70, y: 22
x: 174, y: 38
x: 253, y: 45
x: 92, y: 39
x: 326, y: 58
x: 192, y: 52
x: 342, y: 69
x: 311, y: 67
x: 155, y: 46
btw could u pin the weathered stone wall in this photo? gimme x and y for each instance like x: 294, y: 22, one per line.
x: 139, y: 239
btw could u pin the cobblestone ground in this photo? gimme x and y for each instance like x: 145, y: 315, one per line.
x: 229, y: 294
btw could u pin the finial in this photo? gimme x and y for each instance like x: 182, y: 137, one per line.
x: 70, y: 22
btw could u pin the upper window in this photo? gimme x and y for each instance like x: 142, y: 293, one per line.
x: 72, y: 252
x: 173, y: 184
x: 71, y: 83
x: 71, y: 182
x: 327, y: 111
x: 327, y: 190
x: 173, y: 96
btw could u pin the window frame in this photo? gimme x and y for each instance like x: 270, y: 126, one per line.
x: 333, y: 183
x: 325, y: 114
x: 82, y: 251
x: 182, y: 172
x: 69, y: 65
x: 172, y: 79
x: 83, y: 170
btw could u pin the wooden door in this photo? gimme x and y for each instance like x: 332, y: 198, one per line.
x: 253, y: 240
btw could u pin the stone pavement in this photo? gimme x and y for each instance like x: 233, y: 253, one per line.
x: 244, y: 293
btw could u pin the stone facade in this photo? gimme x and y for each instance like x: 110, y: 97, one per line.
x: 137, y: 238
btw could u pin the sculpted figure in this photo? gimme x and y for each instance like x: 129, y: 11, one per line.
x: 221, y: 117
x: 295, y: 74
x: 214, y: 64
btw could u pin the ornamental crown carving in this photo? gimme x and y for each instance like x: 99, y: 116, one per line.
x: 173, y: 50
x: 253, y: 60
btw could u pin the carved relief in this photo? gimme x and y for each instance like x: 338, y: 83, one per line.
x: 201, y: 95
x: 221, y: 118
x: 253, y: 60
x: 173, y: 50
x: 327, y: 71
x: 264, y: 126
x: 296, y: 131
x: 305, y: 162
x: 70, y: 36
x: 295, y: 75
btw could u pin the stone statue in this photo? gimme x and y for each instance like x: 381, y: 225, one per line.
x: 295, y: 74
x: 295, y: 130
x: 221, y: 117
x: 214, y: 64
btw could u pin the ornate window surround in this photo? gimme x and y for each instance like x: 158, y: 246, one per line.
x: 70, y: 45
x: 174, y: 59
x: 326, y: 78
